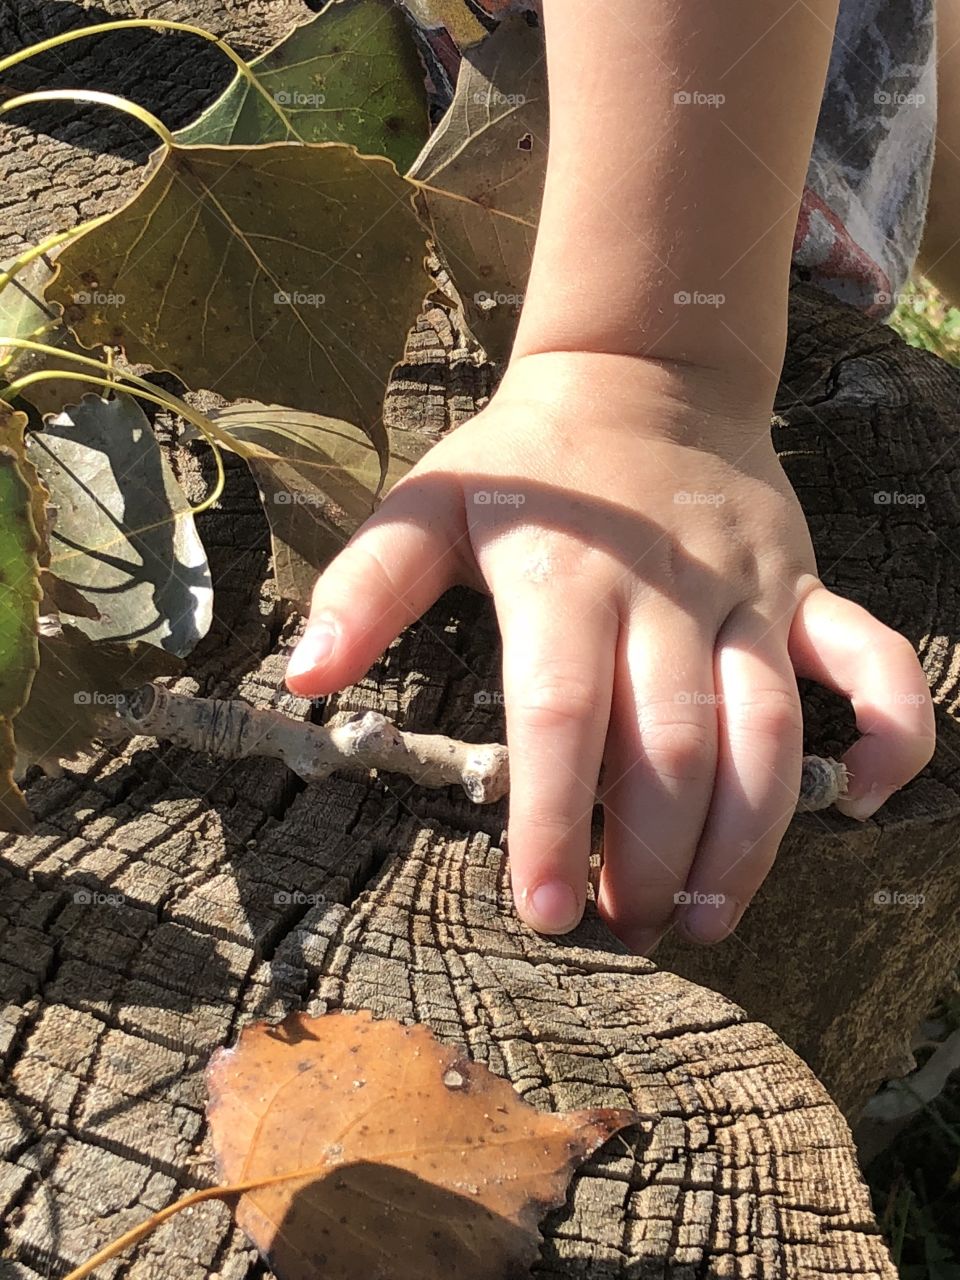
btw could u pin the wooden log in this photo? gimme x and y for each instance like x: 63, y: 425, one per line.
x: 855, y: 932
x: 166, y: 898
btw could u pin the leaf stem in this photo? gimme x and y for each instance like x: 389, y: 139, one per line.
x: 100, y: 99
x: 161, y: 24
x: 145, y: 392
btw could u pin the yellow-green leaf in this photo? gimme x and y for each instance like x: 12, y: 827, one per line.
x: 484, y: 168
x: 318, y: 479
x: 20, y: 547
x: 25, y: 314
x: 351, y: 74
x: 292, y: 269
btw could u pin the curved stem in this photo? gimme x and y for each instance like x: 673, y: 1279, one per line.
x: 152, y: 394
x: 212, y: 433
x: 161, y: 24
x: 100, y: 99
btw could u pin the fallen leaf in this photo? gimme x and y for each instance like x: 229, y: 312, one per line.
x: 418, y: 1164
x: 318, y: 480
x: 289, y: 267
x: 124, y: 536
x: 351, y: 74
x: 484, y: 168
x: 20, y: 553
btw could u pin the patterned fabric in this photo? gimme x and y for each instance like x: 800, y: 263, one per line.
x: 865, y: 196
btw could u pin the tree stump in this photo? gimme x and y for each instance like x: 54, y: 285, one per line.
x: 166, y: 898
x: 849, y: 942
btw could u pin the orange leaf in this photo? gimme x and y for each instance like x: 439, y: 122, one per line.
x: 418, y: 1163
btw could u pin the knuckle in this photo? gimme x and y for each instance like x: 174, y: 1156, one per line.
x: 557, y: 700
x: 684, y: 750
x: 774, y: 715
x: 359, y: 562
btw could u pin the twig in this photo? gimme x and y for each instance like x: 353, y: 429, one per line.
x: 233, y: 730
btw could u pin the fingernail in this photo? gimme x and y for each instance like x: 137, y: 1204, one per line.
x: 865, y: 806
x: 552, y: 907
x: 710, y: 922
x: 316, y: 645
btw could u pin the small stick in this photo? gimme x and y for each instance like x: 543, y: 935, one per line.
x: 233, y: 730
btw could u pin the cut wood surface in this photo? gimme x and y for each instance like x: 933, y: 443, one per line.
x: 166, y: 898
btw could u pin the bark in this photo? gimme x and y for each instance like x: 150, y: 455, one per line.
x: 167, y: 896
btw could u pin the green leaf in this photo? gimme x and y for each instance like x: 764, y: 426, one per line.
x: 318, y: 479
x: 123, y: 534
x: 20, y: 550
x: 352, y: 74
x: 25, y: 314
x: 288, y: 267
x: 484, y: 167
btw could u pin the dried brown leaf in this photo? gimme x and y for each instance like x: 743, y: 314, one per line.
x: 417, y: 1162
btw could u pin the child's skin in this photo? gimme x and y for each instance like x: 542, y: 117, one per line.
x: 659, y: 637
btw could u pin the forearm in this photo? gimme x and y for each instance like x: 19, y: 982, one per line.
x: 652, y: 200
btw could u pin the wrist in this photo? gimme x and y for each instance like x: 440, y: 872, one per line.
x: 696, y: 404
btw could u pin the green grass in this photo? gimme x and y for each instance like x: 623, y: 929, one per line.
x: 925, y: 319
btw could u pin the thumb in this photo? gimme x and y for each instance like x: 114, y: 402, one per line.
x: 392, y: 569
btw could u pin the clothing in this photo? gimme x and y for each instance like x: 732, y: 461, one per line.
x: 865, y: 196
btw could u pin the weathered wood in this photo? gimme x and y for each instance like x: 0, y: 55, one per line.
x: 167, y: 898
x: 244, y: 893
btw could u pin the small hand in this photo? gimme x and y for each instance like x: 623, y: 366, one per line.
x: 657, y: 595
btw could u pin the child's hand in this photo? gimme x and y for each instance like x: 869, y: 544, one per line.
x: 656, y: 591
